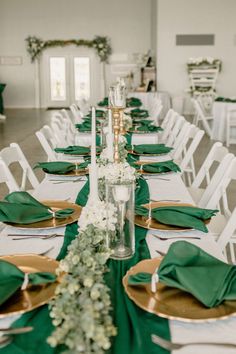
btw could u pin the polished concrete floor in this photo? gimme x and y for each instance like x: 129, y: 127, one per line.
x: 21, y: 125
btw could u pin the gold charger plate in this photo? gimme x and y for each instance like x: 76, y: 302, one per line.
x: 152, y: 224
x: 34, y: 296
x: 76, y: 172
x: 49, y: 224
x: 172, y: 303
x: 141, y: 132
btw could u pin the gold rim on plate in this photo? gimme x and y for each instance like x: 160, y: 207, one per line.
x: 172, y: 303
x: 34, y: 296
x: 52, y: 223
x: 152, y: 224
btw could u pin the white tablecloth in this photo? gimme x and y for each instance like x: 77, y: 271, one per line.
x: 219, y: 121
x: 169, y: 186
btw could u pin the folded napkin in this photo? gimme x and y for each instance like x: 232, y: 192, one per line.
x: 104, y: 102
x: 224, y: 99
x: 148, y: 128
x: 142, y: 121
x: 74, y: 150
x: 142, y: 195
x: 159, y: 167
x: 60, y: 167
x: 177, y: 215
x: 22, y: 208
x: 139, y: 113
x: 133, y: 102
x: 85, y: 126
x: 189, y: 268
x: 87, y: 122
x: 99, y: 114
x: 13, y: 279
x: 149, y: 148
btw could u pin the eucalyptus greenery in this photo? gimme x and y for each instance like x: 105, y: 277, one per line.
x: 36, y: 45
x: 81, y: 308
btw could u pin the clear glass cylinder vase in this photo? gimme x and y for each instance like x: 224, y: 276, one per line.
x: 122, y: 240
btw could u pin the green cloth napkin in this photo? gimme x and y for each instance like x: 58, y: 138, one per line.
x: 189, y: 268
x: 61, y: 167
x: 22, y: 208
x: 133, y: 102
x: 224, y: 99
x: 147, y: 128
x: 99, y: 114
x: 139, y: 113
x: 142, y: 195
x: 176, y: 215
x: 149, y: 148
x: 12, y: 278
x: 104, y: 102
x: 159, y: 167
x: 142, y: 121
x: 74, y: 150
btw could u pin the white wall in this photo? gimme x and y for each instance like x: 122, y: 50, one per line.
x: 195, y: 17
x: 126, y: 22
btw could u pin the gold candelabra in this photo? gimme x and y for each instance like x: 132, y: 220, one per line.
x: 122, y: 127
x: 116, y: 130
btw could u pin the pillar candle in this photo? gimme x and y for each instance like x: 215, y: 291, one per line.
x: 110, y: 146
x: 93, y: 178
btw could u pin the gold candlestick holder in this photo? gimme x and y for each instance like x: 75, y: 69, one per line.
x: 122, y: 127
x: 116, y: 130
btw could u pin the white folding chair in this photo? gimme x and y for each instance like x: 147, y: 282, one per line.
x: 227, y: 238
x: 77, y: 114
x: 12, y: 154
x: 7, y: 178
x: 49, y: 141
x: 168, y: 124
x: 215, y: 195
x: 176, y: 128
x: 215, y: 156
x: 200, y: 117
x: 155, y: 110
x: 230, y: 123
x: 60, y: 128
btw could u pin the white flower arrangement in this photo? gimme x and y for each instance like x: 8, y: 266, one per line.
x: 81, y: 308
x: 201, y: 61
x: 117, y: 172
x: 101, y: 216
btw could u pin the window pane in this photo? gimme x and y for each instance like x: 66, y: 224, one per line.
x: 58, y: 79
x: 82, y: 78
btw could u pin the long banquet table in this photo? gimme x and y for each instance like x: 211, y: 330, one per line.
x: 172, y: 187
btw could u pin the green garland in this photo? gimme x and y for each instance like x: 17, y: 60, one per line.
x: 35, y: 46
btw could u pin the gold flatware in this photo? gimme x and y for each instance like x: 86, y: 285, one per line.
x: 41, y: 237
x: 168, y: 345
x: 4, y: 341
x: 17, y: 330
x: 176, y: 237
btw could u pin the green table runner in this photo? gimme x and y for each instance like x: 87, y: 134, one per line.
x: 135, y: 326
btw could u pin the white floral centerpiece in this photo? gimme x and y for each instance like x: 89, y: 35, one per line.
x: 194, y: 63
x: 81, y: 308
